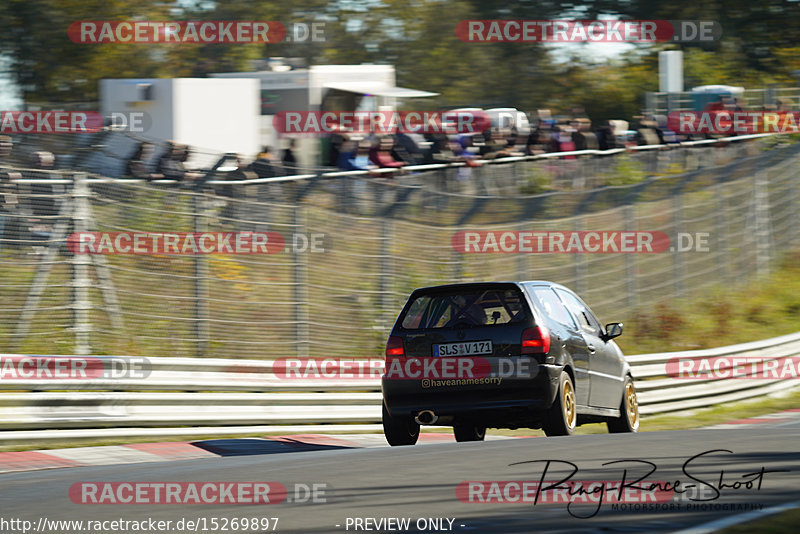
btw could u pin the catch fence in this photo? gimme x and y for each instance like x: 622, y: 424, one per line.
x: 377, y: 238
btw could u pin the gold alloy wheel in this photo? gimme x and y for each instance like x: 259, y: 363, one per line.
x: 632, y: 405
x: 568, y: 402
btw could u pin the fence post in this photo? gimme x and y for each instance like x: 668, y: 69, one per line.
x: 677, y: 260
x: 522, y: 265
x: 60, y: 228
x: 80, y: 268
x: 201, y: 274
x: 631, y: 283
x: 762, y: 223
x: 579, y: 262
x: 386, y: 271
x: 722, y: 241
x: 300, y: 269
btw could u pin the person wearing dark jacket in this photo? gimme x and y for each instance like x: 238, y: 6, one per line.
x: 289, y: 159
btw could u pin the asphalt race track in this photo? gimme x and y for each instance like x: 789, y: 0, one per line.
x: 421, y: 481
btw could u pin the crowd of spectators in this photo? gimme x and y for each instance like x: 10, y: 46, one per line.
x: 549, y: 135
x: 571, y: 133
x: 171, y: 164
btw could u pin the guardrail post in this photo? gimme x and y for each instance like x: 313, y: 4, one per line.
x: 80, y: 268
x: 299, y: 261
x: 201, y: 275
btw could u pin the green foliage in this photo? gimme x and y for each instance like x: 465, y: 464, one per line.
x: 724, y: 316
x: 758, y: 47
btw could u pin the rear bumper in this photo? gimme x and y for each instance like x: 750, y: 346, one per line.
x: 497, y: 401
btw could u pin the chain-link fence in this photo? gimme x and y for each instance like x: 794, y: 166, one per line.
x: 338, y: 295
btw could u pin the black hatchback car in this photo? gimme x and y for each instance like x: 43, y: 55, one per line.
x: 503, y: 355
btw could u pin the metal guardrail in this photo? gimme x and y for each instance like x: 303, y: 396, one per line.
x: 330, y: 174
x: 215, y: 395
x: 659, y: 393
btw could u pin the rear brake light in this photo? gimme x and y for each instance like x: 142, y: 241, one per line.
x: 394, y: 347
x: 535, y: 340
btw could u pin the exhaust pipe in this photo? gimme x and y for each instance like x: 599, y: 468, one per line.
x: 426, y: 417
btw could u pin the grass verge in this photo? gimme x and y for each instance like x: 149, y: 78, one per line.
x: 783, y: 523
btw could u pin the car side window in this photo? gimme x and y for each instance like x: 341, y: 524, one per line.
x: 551, y: 305
x: 582, y: 314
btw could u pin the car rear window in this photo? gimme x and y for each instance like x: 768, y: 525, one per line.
x: 465, y: 309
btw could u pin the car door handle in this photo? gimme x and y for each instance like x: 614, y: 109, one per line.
x: 591, y: 348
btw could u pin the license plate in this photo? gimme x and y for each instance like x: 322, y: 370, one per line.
x: 462, y: 348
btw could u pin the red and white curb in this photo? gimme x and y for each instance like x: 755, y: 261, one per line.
x: 214, y: 448
x: 786, y: 416
x: 187, y: 450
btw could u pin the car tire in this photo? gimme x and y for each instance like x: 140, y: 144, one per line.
x: 399, y: 430
x: 469, y: 432
x: 562, y: 416
x: 628, y: 420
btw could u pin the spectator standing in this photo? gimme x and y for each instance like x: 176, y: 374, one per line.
x: 265, y: 164
x: 289, y: 159
x: 137, y: 166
